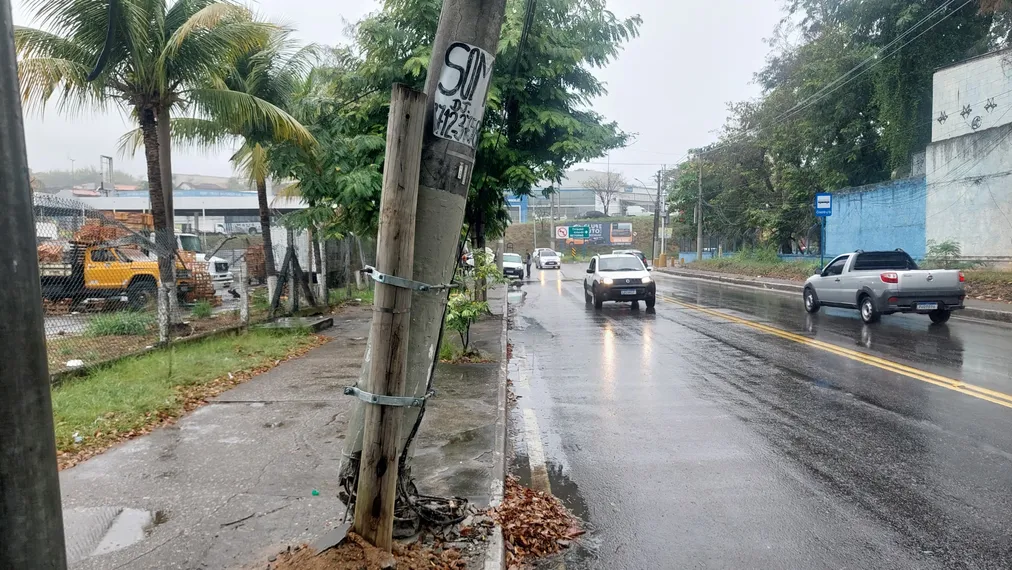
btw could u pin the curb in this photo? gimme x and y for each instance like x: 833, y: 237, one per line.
x: 495, y: 555
x: 967, y: 312
x: 735, y: 280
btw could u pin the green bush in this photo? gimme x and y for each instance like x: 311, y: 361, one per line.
x: 124, y: 323
x: 202, y: 309
x: 461, y: 313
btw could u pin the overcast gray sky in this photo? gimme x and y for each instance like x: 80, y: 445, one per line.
x: 670, y: 85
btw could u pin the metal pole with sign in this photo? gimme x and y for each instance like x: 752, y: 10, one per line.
x: 823, y: 209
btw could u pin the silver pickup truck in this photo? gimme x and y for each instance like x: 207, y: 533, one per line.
x: 885, y: 282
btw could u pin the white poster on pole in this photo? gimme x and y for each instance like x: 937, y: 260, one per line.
x: 460, y: 94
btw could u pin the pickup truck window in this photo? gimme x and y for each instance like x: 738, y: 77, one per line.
x: 836, y: 267
x: 883, y: 260
x: 102, y: 255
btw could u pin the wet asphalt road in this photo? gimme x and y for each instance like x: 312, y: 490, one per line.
x: 729, y: 429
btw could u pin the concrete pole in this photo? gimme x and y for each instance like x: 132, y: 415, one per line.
x: 442, y: 195
x: 699, y: 212
x: 243, y: 294
x: 31, y: 520
x: 657, y: 214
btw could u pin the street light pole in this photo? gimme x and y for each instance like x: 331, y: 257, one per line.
x: 31, y: 520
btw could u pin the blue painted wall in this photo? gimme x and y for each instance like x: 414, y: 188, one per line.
x: 879, y: 217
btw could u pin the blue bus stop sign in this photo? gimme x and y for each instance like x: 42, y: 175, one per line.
x: 823, y: 205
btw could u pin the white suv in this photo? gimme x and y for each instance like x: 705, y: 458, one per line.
x: 621, y: 278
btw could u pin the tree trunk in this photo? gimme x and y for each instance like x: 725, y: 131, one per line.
x: 265, y: 232
x: 164, y: 128
x: 150, y: 134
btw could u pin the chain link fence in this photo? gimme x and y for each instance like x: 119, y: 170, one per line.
x: 102, y: 287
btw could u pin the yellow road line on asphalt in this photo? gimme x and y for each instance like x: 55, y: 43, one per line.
x: 978, y: 392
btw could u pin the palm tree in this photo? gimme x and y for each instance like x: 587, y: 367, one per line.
x: 272, y: 72
x: 156, y: 58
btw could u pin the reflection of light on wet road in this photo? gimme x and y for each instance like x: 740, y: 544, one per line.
x: 648, y: 343
x: 558, y: 285
x: 608, y: 362
x: 541, y: 277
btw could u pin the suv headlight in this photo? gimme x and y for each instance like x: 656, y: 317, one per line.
x: 607, y: 281
x: 647, y: 280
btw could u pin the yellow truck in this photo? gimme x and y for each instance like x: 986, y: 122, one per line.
x: 106, y: 273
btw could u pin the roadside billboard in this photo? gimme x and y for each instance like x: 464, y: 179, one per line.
x: 601, y: 233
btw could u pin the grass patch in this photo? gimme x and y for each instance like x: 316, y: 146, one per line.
x: 135, y: 395
x: 341, y: 296
x: 202, y: 309
x: 759, y: 262
x: 989, y: 285
x: 123, y: 323
x: 447, y: 352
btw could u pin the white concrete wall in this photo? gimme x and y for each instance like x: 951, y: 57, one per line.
x: 969, y: 193
x: 972, y: 96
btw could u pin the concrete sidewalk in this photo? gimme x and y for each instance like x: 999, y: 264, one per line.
x: 985, y: 310
x: 256, y: 470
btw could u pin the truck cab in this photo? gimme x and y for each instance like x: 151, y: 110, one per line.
x: 218, y: 268
x: 106, y: 272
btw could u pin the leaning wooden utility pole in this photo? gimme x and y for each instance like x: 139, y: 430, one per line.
x: 456, y: 86
x: 31, y: 520
x: 395, y: 251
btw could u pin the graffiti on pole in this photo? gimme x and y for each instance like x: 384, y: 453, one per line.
x: 460, y: 94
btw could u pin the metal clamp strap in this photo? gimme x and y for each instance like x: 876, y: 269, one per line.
x: 403, y: 283
x: 395, y: 401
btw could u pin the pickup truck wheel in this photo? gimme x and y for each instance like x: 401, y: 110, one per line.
x: 141, y: 295
x: 598, y: 301
x: 939, y: 316
x: 586, y: 296
x: 651, y: 302
x: 869, y: 314
x: 811, y: 303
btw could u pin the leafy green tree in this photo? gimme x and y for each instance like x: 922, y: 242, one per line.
x: 340, y: 178
x: 538, y: 122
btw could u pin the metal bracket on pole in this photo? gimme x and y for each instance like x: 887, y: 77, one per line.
x: 395, y: 401
x: 403, y: 283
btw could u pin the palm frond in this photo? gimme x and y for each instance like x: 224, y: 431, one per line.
x: 200, y: 133
x: 242, y: 113
x: 251, y: 160
x: 43, y: 77
x: 130, y: 143
x: 33, y: 42
x: 213, y: 52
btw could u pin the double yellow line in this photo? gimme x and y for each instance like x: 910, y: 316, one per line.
x: 978, y: 392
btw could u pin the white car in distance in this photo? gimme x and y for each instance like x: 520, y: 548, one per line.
x: 547, y: 259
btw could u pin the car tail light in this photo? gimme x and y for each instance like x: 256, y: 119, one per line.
x: 894, y: 300
x: 962, y: 278
x: 890, y: 277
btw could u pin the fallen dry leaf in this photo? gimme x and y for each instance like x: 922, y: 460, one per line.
x: 534, y: 524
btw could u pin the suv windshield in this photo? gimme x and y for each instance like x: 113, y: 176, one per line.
x: 623, y: 263
x: 882, y: 260
x: 511, y: 257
